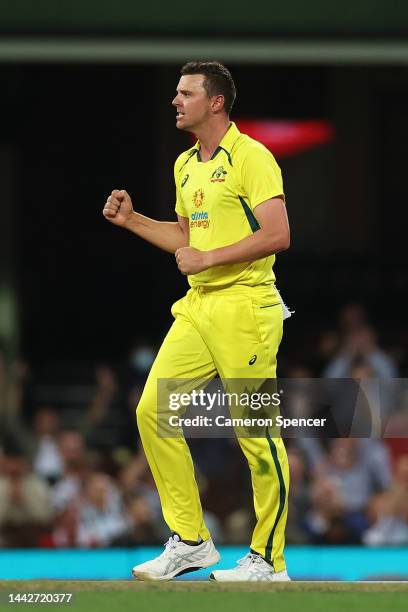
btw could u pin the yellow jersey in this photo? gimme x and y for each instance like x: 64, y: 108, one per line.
x: 219, y: 197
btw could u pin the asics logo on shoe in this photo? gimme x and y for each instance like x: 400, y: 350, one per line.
x: 251, y: 568
x: 176, y: 559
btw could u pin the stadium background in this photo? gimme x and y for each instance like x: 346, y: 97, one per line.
x: 86, y: 91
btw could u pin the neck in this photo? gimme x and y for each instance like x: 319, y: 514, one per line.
x: 210, y: 136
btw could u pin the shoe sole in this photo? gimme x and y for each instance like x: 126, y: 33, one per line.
x: 212, y: 577
x: 178, y: 572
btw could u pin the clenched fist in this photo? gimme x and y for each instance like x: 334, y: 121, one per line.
x: 118, y: 208
x: 191, y: 260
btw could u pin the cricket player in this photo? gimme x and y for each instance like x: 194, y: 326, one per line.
x: 231, y: 221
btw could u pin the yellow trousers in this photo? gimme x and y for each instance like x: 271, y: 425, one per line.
x: 219, y: 330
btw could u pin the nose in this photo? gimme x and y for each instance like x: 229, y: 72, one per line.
x: 176, y: 101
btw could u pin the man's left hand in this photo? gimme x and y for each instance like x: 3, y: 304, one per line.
x: 192, y: 261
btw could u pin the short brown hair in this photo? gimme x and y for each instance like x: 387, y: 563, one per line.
x: 217, y: 80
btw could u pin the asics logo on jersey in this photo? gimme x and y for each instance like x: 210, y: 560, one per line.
x: 218, y: 175
x: 185, y: 179
x: 252, y: 360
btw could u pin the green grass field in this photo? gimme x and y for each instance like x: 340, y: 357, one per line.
x: 184, y: 596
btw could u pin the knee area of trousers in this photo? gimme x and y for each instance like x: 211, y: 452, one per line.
x: 263, y: 465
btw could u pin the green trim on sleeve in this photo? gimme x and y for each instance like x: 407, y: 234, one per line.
x: 249, y: 215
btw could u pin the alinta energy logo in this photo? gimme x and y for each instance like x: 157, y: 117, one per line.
x: 218, y: 176
x: 200, y: 218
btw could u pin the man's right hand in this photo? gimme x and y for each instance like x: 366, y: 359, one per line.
x: 118, y: 208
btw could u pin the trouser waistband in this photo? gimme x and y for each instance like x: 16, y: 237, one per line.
x: 234, y: 289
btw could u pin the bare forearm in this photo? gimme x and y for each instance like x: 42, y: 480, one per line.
x: 166, y: 235
x: 272, y: 237
x: 260, y: 244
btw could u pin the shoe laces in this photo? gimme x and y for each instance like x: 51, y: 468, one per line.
x: 170, y: 544
x: 249, y: 559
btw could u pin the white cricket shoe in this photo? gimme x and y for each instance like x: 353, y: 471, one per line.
x: 251, y: 568
x: 177, y: 558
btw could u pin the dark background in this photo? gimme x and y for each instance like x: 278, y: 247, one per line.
x: 73, y: 131
x: 88, y: 288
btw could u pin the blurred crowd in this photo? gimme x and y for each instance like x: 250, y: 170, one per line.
x: 73, y: 472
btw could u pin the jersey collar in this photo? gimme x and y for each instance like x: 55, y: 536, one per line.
x: 227, y: 143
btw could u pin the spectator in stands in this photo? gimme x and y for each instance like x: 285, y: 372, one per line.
x: 389, y: 511
x: 65, y: 529
x: 25, y: 502
x: 94, y: 518
x: 238, y: 526
x: 76, y: 468
x: 102, y: 520
x: 109, y: 420
x: 13, y: 400
x: 143, y: 525
x: 362, y: 343
x: 352, y: 317
x: 136, y: 482
x: 357, y: 469
x: 324, y: 522
x: 105, y: 420
x: 360, y: 357
x: 47, y: 458
x: 396, y: 426
x: 327, y: 347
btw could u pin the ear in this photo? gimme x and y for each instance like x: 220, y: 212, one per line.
x: 218, y: 103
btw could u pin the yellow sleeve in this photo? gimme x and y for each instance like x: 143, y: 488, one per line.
x: 180, y: 210
x: 261, y: 177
